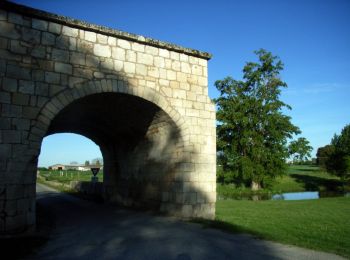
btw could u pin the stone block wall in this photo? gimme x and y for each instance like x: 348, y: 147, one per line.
x: 51, y: 64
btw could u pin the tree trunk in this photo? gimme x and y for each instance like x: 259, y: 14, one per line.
x: 255, y: 185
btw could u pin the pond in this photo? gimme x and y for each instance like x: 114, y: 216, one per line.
x: 305, y: 195
x: 308, y: 195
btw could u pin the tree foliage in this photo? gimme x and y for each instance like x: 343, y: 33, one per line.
x: 300, y: 149
x: 323, y: 154
x: 252, y: 131
x: 338, y: 162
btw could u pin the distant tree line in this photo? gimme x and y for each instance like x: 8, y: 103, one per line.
x: 335, y: 157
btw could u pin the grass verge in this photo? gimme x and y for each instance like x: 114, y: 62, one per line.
x: 322, y: 224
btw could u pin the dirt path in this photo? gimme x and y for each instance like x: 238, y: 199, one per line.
x: 86, y: 230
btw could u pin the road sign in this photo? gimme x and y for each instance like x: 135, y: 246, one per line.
x: 95, y: 171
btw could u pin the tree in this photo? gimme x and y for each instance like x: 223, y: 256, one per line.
x: 338, y: 162
x: 252, y: 131
x: 87, y: 163
x: 323, y: 154
x: 300, y: 149
x: 73, y: 163
x: 96, y: 161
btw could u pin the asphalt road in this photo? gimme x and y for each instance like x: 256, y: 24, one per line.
x: 87, y: 230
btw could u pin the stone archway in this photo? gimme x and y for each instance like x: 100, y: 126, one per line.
x: 53, y: 66
x: 141, y: 144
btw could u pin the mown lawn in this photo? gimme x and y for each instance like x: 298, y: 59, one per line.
x: 306, y: 178
x: 322, y: 224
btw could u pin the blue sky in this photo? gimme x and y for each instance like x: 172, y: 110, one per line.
x: 312, y: 38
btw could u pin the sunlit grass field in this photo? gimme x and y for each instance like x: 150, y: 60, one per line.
x: 66, y: 176
x: 322, y: 224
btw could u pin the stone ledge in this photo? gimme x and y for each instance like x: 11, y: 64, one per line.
x: 35, y: 13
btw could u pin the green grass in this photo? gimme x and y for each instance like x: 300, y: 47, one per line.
x: 306, y: 178
x: 322, y: 224
x: 68, y: 176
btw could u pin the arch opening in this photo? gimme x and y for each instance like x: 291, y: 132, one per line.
x: 139, y: 143
x: 68, y: 149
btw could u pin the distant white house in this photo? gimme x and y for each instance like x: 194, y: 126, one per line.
x: 57, y: 167
x: 78, y: 167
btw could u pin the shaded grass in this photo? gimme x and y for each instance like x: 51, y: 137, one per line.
x: 317, y: 224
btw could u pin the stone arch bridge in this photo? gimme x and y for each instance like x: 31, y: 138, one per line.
x: 143, y: 101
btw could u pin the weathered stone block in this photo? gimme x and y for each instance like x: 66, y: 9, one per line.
x: 60, y: 55
x: 103, y: 39
x: 129, y: 67
x: 20, y: 99
x: 8, y: 30
x: 30, y: 112
x: 78, y: 58
x: 30, y: 35
x: 26, y: 87
x: 42, y: 89
x: 11, y: 136
x: 39, y: 52
x: 102, y: 50
x: 123, y: 44
x: 39, y: 24
x: 62, y: 42
x: 52, y: 77
x: 17, y: 72
x: 118, y: 65
x: 15, y: 18
x: 118, y: 53
x: 90, y: 36
x: 16, y: 47
x: 146, y: 59
x: 55, y: 28
x: 63, y: 68
x: 21, y: 123
x: 69, y: 31
x: 164, y: 53
x: 112, y: 41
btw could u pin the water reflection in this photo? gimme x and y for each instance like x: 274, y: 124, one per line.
x: 306, y: 195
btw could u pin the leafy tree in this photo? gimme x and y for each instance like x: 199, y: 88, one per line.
x: 252, y: 130
x: 323, y: 154
x: 96, y: 161
x: 300, y: 149
x: 339, y: 161
x: 87, y: 163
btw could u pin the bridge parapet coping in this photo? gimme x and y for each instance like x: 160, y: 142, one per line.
x: 35, y: 13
